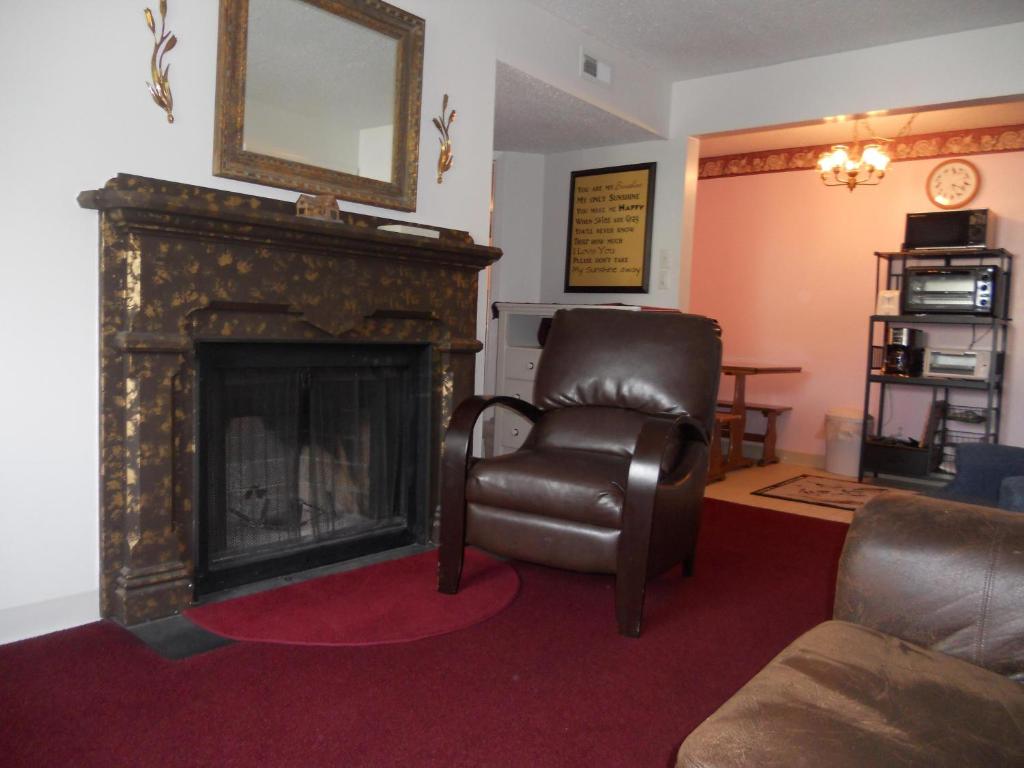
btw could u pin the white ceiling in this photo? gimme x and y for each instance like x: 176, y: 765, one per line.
x: 533, y: 116
x: 696, y: 38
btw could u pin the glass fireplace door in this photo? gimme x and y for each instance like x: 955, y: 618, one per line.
x: 309, y: 454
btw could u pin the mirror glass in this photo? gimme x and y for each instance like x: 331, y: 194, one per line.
x: 335, y: 110
x: 321, y: 97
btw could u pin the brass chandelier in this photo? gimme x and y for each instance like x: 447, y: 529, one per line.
x: 843, y: 167
x: 855, y: 166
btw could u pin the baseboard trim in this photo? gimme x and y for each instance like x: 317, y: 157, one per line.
x: 814, y: 460
x: 32, y: 619
x: 752, y: 450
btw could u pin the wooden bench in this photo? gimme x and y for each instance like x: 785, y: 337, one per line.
x: 771, y: 413
x: 723, y: 423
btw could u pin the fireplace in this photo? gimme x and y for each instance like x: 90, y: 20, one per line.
x: 308, y: 454
x: 311, y: 332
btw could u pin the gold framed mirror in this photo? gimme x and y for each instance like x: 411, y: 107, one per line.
x: 320, y: 96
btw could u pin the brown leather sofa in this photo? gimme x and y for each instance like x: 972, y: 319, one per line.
x: 611, y: 477
x: 922, y: 664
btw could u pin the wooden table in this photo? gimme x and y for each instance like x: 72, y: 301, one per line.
x: 736, y: 460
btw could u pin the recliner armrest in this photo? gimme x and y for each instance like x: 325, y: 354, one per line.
x: 940, y: 574
x: 458, y: 440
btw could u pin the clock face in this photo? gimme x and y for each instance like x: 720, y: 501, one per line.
x: 953, y: 183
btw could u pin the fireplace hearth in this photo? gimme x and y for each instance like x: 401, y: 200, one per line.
x: 195, y: 281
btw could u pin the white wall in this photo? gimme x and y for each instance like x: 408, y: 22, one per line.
x: 519, y: 205
x: 76, y: 112
x: 518, y: 229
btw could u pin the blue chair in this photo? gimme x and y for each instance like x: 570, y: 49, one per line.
x: 992, y: 475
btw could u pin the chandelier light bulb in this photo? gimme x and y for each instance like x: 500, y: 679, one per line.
x: 875, y: 157
x: 851, y: 168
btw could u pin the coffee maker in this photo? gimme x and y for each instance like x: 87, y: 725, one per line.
x: 904, y: 352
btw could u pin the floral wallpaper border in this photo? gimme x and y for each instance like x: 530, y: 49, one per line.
x: 974, y: 141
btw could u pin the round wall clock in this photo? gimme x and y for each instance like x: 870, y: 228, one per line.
x: 953, y: 183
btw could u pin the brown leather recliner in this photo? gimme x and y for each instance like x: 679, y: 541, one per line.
x: 611, y: 477
x: 922, y: 664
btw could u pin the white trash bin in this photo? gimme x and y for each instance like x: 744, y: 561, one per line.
x: 843, y: 429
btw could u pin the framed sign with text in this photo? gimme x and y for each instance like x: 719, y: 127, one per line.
x: 611, y: 210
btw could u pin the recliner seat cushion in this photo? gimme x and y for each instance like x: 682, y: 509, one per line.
x: 845, y: 695
x: 540, y: 539
x: 582, y: 486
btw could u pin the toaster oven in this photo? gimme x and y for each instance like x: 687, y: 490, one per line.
x: 972, y: 290
x: 957, y: 363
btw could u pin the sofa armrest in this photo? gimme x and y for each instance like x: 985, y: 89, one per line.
x: 939, y: 574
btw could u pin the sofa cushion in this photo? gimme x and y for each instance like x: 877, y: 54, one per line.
x: 845, y: 695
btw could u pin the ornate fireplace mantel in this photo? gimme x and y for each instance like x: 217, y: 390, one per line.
x: 180, y: 265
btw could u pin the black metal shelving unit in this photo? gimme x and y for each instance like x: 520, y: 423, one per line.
x: 932, y: 462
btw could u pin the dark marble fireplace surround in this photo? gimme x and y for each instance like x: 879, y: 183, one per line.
x: 181, y: 265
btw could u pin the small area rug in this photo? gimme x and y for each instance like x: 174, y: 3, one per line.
x: 823, y: 491
x: 390, y: 602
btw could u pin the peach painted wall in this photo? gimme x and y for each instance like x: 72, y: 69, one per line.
x: 787, y: 267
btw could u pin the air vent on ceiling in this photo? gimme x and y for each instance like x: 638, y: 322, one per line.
x: 592, y: 68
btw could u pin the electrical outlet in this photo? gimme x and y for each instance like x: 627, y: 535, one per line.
x: 663, y: 268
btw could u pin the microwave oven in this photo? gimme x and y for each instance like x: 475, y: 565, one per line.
x: 957, y: 363
x: 973, y: 290
x: 946, y: 230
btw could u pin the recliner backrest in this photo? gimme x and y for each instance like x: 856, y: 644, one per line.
x: 589, y: 427
x: 658, y: 363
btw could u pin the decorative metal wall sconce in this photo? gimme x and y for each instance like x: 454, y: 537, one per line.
x: 444, y: 160
x: 160, y: 88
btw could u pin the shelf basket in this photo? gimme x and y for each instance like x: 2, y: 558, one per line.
x: 967, y: 414
x: 952, y: 438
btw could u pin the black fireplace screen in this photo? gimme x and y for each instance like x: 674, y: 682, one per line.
x: 310, y: 454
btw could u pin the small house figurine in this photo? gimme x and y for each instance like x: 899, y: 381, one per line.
x: 318, y: 207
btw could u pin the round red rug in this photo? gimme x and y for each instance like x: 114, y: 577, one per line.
x: 391, y: 602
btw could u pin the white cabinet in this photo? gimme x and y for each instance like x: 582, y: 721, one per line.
x: 517, y: 354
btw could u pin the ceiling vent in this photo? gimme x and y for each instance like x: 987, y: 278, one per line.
x: 592, y: 68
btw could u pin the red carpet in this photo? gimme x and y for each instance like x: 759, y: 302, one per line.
x: 545, y: 683
x: 390, y: 602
